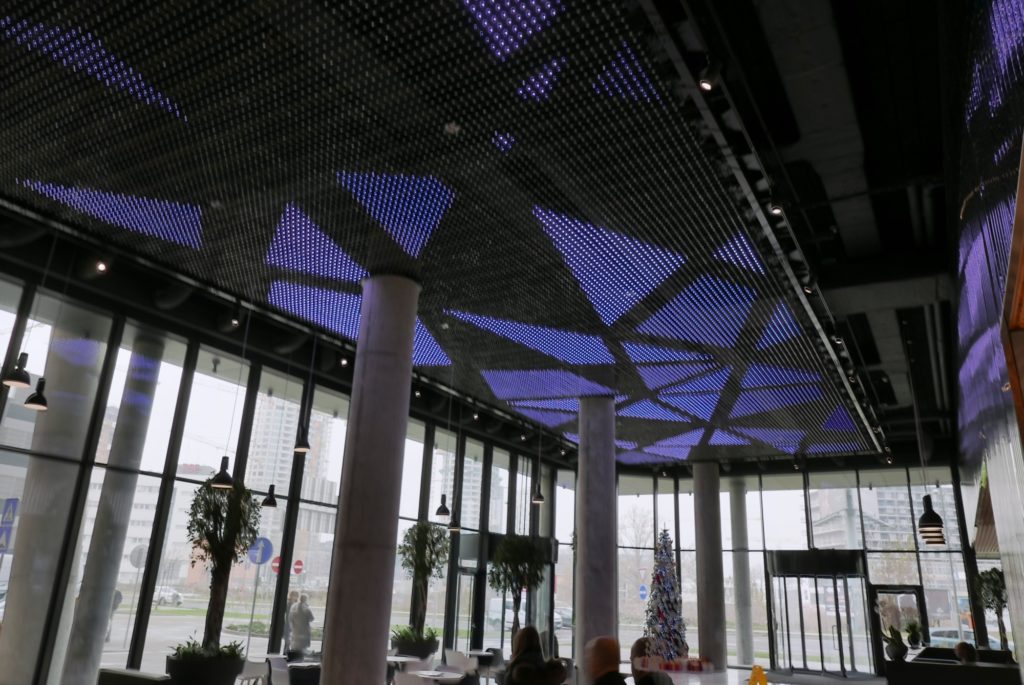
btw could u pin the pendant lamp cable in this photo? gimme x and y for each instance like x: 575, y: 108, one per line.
x: 930, y: 524
x: 238, y: 383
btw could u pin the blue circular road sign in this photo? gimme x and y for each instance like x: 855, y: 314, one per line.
x: 261, y: 551
x: 643, y: 593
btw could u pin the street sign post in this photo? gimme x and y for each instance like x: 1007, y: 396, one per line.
x: 259, y: 554
x: 275, y: 565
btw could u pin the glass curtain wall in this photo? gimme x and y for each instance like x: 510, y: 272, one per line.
x: 636, y: 555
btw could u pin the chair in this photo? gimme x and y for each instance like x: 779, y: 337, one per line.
x: 278, y: 671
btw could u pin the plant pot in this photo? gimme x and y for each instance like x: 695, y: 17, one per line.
x: 896, y: 652
x: 914, y: 644
x: 214, y: 671
x: 417, y: 648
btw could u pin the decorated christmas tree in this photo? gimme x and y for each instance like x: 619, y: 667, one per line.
x: 665, y: 626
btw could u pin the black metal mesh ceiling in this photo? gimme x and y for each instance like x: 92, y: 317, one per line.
x: 524, y: 159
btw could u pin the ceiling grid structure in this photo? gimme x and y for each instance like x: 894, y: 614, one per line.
x: 528, y: 161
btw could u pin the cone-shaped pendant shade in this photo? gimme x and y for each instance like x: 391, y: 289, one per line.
x: 270, y: 500
x: 930, y: 525
x: 442, y: 510
x: 37, y: 400
x: 18, y: 377
x: 223, y: 480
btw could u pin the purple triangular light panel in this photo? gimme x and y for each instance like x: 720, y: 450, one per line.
x: 834, y: 448
x: 84, y: 54
x: 621, y: 444
x: 690, y: 438
x: 721, y: 438
x: 773, y: 399
x: 634, y: 457
x: 625, y: 77
x: 615, y: 271
x: 425, y: 350
x: 332, y: 310
x: 646, y: 409
x: 560, y: 404
x: 840, y: 420
x: 408, y: 207
x: 783, y: 439
x: 741, y: 253
x: 171, y: 222
x: 765, y: 376
x: 781, y: 327
x: 714, y: 381
x: 661, y: 375
x: 299, y: 245
x: 709, y: 311
x: 522, y: 384
x: 641, y: 353
x: 538, y: 85
x: 507, y: 25
x: 700, y: 404
x: 566, y: 346
x: 678, y: 453
x: 547, y: 417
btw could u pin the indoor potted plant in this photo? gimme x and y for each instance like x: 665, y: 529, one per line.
x: 424, y: 553
x: 913, y: 629
x: 992, y: 591
x: 518, y: 564
x: 222, y: 524
x: 895, y: 647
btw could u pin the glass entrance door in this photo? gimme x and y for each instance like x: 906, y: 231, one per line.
x: 464, y: 611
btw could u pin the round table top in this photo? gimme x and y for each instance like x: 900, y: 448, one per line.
x: 439, y: 676
x: 479, y: 652
x: 402, y: 659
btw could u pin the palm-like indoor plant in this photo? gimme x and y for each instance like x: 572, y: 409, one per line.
x: 222, y: 524
x: 992, y: 590
x: 913, y: 629
x: 895, y: 647
x: 424, y: 553
x: 518, y: 564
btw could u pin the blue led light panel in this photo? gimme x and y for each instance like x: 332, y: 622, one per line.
x: 634, y: 457
x: 701, y: 404
x: 614, y: 270
x: 625, y: 77
x: 507, y: 25
x: 646, y: 409
x: 335, y: 311
x: 721, y: 438
x: 425, y: 350
x: 741, y: 253
x: 780, y: 328
x: 409, y: 208
x: 659, y: 376
x: 83, y: 53
x: 840, y: 420
x: 783, y: 439
x: 773, y: 399
x: 677, y: 453
x: 688, y: 439
x: 764, y: 376
x: 833, y: 448
x: 538, y: 85
x: 569, y: 347
x: 504, y: 141
x: 641, y: 353
x: 561, y: 404
x: 299, y: 245
x: 545, y: 417
x: 715, y: 380
x: 169, y: 221
x: 531, y: 383
x: 709, y: 311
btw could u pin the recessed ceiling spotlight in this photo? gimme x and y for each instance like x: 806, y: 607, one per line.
x: 776, y: 209
x: 708, y: 77
x: 452, y: 129
x: 837, y: 340
x: 563, y: 453
x: 101, y: 266
x: 523, y: 437
x: 417, y: 394
x: 476, y: 416
x: 809, y: 289
x: 444, y: 326
x: 344, y: 361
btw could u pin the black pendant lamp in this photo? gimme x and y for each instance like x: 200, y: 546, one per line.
x: 930, y: 525
x: 453, y: 525
x: 18, y: 377
x: 223, y: 479
x: 538, y: 496
x: 37, y: 400
x: 270, y: 500
x: 442, y: 511
x: 302, y: 442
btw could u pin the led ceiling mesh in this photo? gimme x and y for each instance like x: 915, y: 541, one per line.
x: 530, y: 162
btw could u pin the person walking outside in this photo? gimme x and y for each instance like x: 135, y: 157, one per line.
x: 301, y: 617
x: 293, y: 597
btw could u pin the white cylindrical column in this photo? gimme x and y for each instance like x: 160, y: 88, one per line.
x: 357, y: 624
x: 596, y: 586
x: 710, y: 585
x: 741, y: 571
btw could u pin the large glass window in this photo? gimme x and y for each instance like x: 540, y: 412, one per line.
x: 835, y: 510
x: 442, y: 475
x: 936, y: 482
x: 328, y: 425
x: 888, y: 517
x: 785, y: 521
x: 274, y: 428
x: 472, y: 485
x: 524, y: 495
x: 412, y: 471
x: 214, y: 414
x: 314, y: 545
x: 500, y: 482
x: 636, y: 555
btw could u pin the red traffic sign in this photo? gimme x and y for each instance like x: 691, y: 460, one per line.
x: 298, y: 565
x: 275, y: 564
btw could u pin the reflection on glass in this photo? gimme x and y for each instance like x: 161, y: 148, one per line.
x: 214, y: 414
x: 275, y: 425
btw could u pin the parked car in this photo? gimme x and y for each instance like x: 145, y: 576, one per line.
x: 494, y: 612
x: 566, y: 614
x: 949, y: 637
x: 557, y: 620
x: 166, y: 595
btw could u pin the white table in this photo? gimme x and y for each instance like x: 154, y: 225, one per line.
x: 439, y: 676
